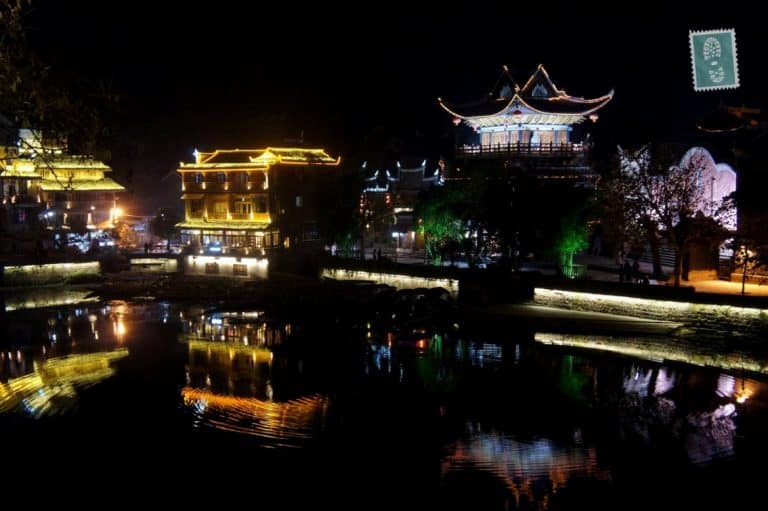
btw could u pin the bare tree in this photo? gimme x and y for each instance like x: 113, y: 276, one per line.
x: 55, y: 109
x: 659, y: 194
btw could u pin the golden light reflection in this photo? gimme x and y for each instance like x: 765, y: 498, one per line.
x: 284, y: 423
x: 745, y: 389
x: 118, y: 327
x: 40, y: 392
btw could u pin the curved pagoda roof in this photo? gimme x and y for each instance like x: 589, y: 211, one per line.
x: 538, y: 101
x: 242, y: 158
x: 725, y: 119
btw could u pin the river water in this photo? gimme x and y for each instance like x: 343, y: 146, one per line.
x: 117, y: 403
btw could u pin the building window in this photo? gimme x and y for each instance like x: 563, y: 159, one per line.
x: 196, y: 208
x: 240, y: 270
x: 260, y: 204
x: 198, y: 178
x: 546, y: 137
x: 242, y: 208
x: 299, y: 201
x: 221, y: 177
x: 310, y: 231
x: 220, y: 209
x: 21, y: 216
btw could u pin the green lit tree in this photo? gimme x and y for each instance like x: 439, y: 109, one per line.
x: 440, y: 222
x: 572, y: 239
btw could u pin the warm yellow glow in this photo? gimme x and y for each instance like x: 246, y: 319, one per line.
x: 258, y: 353
x: 745, y: 389
x: 256, y: 267
x: 277, y: 421
x: 57, y: 377
x: 118, y: 327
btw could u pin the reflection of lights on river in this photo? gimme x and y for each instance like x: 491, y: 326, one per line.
x: 524, y: 467
x: 656, y: 350
x: 118, y: 326
x: 745, y: 389
x: 51, y: 388
x: 665, y: 381
x: 284, y: 423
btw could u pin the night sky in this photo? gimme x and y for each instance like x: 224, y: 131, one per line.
x: 223, y: 75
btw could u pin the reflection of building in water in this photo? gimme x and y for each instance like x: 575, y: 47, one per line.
x: 285, y: 423
x: 230, y: 368
x: 484, y: 353
x: 526, y: 468
x: 28, y: 341
x: 246, y: 328
x: 637, y: 380
x: 229, y: 377
x: 35, y: 298
x: 229, y: 352
x: 51, y: 387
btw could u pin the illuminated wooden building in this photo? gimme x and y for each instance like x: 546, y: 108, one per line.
x: 251, y: 200
x: 528, y: 128
x: 41, y: 183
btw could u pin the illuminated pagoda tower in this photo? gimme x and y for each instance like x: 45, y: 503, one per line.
x: 42, y: 184
x: 251, y: 200
x: 527, y: 129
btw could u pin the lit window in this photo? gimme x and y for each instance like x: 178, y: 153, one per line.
x: 221, y: 177
x: 299, y: 201
x: 198, y: 178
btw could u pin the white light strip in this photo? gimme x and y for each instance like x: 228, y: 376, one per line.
x: 656, y: 350
x: 657, y: 307
x: 393, y: 279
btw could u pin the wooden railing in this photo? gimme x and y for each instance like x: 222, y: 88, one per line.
x: 520, y: 149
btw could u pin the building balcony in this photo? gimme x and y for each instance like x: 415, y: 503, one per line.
x: 520, y: 150
x: 21, y: 200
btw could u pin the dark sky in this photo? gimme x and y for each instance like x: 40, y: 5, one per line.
x: 242, y: 74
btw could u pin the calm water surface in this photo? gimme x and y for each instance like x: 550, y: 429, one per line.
x: 119, y: 403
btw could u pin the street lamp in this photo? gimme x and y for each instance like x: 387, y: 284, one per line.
x: 745, y: 256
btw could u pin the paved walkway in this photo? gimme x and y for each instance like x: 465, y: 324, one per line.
x: 598, y: 269
x: 606, y: 269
